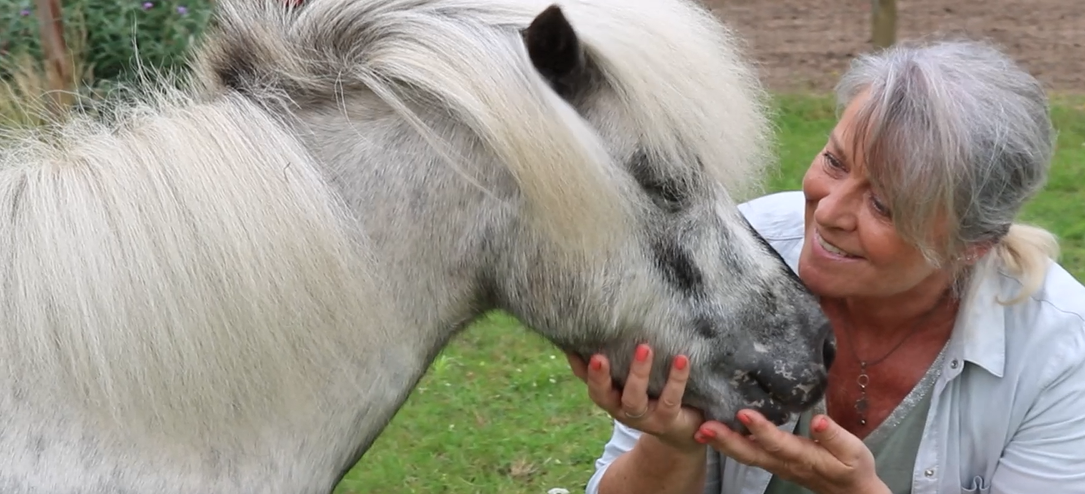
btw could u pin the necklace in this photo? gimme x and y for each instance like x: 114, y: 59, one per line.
x: 861, y: 404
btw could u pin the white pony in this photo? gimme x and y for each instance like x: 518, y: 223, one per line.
x: 232, y: 288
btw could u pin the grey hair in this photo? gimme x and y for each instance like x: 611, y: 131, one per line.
x: 955, y: 133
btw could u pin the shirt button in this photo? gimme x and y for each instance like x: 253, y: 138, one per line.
x: 953, y: 364
x: 929, y: 472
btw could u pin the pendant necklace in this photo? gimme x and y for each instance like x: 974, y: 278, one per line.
x: 861, y: 404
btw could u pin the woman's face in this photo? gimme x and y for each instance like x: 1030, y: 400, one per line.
x: 851, y: 248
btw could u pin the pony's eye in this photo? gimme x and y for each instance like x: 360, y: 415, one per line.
x: 668, y: 194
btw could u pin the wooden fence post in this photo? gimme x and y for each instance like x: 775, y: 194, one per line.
x: 883, y: 22
x: 58, y: 62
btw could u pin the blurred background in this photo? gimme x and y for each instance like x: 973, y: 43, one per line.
x: 499, y: 411
x: 806, y: 44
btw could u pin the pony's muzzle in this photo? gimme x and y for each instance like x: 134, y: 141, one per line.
x: 794, y: 385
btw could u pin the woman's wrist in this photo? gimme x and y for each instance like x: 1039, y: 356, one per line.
x: 658, y: 467
x: 874, y: 486
x: 670, y: 448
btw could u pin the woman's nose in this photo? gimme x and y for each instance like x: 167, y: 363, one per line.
x: 836, y: 210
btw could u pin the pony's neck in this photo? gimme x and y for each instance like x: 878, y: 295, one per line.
x: 431, y: 226
x: 432, y: 231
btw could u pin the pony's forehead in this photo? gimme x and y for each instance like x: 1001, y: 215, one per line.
x: 684, y: 80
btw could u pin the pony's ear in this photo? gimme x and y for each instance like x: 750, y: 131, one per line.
x: 554, y: 49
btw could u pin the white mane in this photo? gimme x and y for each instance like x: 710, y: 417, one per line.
x: 186, y: 264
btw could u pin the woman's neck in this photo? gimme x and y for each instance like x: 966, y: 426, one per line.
x: 899, y: 313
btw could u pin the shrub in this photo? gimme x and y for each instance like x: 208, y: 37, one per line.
x: 116, y: 35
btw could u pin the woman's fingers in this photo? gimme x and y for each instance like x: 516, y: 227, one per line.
x: 635, y: 393
x: 632, y: 404
x: 600, y: 387
x: 732, y: 444
x: 833, y: 461
x: 580, y: 368
x: 844, y: 446
x: 670, y: 399
x: 664, y: 417
x: 779, y: 444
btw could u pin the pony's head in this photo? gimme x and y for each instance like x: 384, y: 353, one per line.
x: 664, y: 92
x: 611, y: 138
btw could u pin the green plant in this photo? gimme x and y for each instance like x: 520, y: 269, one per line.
x: 120, y: 35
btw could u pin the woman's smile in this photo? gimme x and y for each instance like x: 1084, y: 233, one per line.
x: 824, y: 249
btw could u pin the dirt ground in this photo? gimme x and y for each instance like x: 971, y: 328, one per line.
x: 806, y: 44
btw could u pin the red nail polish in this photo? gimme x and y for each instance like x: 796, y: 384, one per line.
x: 707, y: 433
x: 642, y: 353
x: 821, y: 425
x: 700, y: 438
x: 680, y: 362
x: 744, y: 418
x: 596, y: 363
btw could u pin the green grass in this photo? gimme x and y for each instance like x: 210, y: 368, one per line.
x: 499, y: 411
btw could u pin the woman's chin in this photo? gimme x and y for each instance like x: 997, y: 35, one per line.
x: 828, y: 279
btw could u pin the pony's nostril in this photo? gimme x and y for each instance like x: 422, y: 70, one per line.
x: 828, y: 352
x: 762, y: 381
x: 828, y: 346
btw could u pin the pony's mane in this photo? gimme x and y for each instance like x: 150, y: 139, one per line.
x: 181, y: 268
x: 691, y: 96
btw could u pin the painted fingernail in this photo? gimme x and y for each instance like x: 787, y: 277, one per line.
x: 707, y: 433
x: 642, y: 353
x: 700, y: 438
x: 821, y: 424
x: 680, y: 362
x: 744, y: 418
x: 596, y: 363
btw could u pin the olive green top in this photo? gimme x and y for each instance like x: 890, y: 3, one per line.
x: 894, y: 443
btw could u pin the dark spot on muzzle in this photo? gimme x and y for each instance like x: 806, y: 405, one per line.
x: 758, y: 397
x: 677, y: 266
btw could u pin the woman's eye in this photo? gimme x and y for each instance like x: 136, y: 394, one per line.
x: 832, y: 161
x: 880, y: 207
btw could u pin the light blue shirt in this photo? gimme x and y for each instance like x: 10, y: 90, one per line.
x: 1007, y: 414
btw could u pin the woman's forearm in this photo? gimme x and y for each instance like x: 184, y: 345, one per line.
x: 657, y: 468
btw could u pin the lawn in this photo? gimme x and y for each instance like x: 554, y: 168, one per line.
x: 499, y: 411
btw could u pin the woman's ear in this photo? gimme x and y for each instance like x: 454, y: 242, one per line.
x: 973, y: 253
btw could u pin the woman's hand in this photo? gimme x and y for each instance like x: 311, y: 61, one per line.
x: 832, y: 461
x: 664, y: 418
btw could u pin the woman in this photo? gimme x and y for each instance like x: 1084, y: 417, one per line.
x: 960, y: 363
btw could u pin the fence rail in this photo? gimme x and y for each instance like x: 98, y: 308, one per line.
x: 58, y: 62
x: 883, y: 28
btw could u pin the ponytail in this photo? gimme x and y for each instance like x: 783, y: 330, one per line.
x: 1025, y: 252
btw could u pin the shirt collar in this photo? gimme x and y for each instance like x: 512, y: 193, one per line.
x: 980, y: 330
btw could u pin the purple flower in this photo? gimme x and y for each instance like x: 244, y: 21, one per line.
x: 147, y: 5
x: 24, y: 12
x: 181, y: 9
